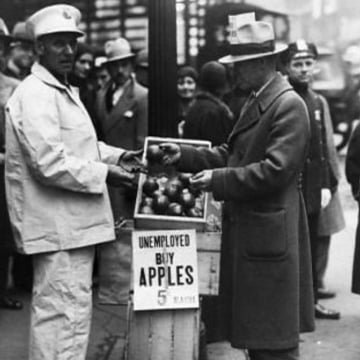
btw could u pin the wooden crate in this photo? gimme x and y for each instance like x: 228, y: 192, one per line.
x: 145, y: 221
x: 208, y: 252
x: 163, y: 335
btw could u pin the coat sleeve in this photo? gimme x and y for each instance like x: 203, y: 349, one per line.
x: 37, y: 129
x: 197, y: 159
x: 283, y: 158
x: 352, y: 162
x: 109, y: 154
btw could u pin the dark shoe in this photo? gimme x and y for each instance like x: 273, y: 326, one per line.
x: 10, y: 304
x: 325, y: 294
x: 322, y: 312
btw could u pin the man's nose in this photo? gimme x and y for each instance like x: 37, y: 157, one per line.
x: 69, y: 49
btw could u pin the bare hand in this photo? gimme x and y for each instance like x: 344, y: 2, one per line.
x: 202, y: 180
x: 325, y: 197
x: 117, y: 177
x: 172, y: 153
x: 131, y: 161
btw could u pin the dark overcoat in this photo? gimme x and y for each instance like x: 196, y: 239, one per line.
x: 331, y: 218
x: 125, y: 126
x: 352, y: 172
x: 208, y: 118
x: 265, y: 261
x: 7, y: 86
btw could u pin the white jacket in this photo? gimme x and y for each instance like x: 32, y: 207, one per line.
x: 54, y: 168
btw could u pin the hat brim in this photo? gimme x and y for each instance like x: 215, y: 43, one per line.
x: 77, y: 33
x: 7, y: 38
x: 120, y: 57
x: 237, y: 58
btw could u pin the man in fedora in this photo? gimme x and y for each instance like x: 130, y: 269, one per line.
x: 22, y: 52
x: 56, y: 173
x: 7, y: 246
x: 265, y: 277
x: 122, y: 114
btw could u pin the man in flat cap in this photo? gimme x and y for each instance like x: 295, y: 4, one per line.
x: 56, y: 174
x: 321, y: 172
x: 265, y: 277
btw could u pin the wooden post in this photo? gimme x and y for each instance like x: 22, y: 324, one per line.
x: 162, y: 68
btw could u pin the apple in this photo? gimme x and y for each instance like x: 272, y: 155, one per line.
x: 154, y: 154
x: 161, y: 204
x: 194, y: 212
x: 172, y: 191
x: 146, y: 209
x: 185, y: 178
x: 175, y: 209
x: 150, y: 185
x: 187, y: 199
x: 147, y: 201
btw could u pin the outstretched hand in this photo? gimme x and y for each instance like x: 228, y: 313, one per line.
x: 171, y: 153
x: 202, y: 180
x: 131, y: 162
x: 118, y: 177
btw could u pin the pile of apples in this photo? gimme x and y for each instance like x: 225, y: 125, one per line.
x: 165, y: 194
x: 174, y: 196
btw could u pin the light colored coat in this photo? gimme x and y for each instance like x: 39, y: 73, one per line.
x: 54, y: 171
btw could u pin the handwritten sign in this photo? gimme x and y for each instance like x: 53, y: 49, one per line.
x: 165, y: 270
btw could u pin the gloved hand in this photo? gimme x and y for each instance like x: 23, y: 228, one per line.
x: 172, y: 153
x: 325, y: 197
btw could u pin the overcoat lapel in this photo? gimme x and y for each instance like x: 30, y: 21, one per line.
x: 249, y: 118
x: 125, y: 103
x: 252, y: 115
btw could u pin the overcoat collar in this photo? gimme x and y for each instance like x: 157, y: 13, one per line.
x: 44, y: 75
x: 252, y: 115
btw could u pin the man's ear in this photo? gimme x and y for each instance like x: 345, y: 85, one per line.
x: 40, y: 48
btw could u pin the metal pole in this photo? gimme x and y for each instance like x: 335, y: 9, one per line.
x: 162, y: 68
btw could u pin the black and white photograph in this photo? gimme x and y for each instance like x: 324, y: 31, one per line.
x: 180, y: 179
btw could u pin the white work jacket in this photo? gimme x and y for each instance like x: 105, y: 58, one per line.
x: 54, y: 168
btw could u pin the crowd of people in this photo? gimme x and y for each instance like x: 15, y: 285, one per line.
x: 75, y: 118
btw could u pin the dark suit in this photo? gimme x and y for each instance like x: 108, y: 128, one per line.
x: 265, y: 278
x: 7, y: 246
x: 352, y: 171
x: 125, y: 125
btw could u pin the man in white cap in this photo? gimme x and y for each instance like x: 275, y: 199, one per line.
x: 122, y: 114
x: 56, y: 173
x: 265, y: 277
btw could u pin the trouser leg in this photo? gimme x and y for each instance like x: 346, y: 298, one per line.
x: 61, y: 305
x: 322, y: 259
x: 4, y: 267
x: 283, y: 354
x: 313, y: 225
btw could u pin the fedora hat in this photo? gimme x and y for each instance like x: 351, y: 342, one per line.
x: 60, y: 18
x: 4, y: 32
x: 250, y: 40
x: 20, y: 33
x: 118, y: 49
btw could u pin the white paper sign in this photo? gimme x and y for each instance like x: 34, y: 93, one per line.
x: 165, y: 270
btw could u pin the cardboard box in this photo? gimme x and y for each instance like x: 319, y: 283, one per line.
x: 162, y: 175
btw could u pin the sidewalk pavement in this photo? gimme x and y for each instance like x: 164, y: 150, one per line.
x: 107, y: 338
